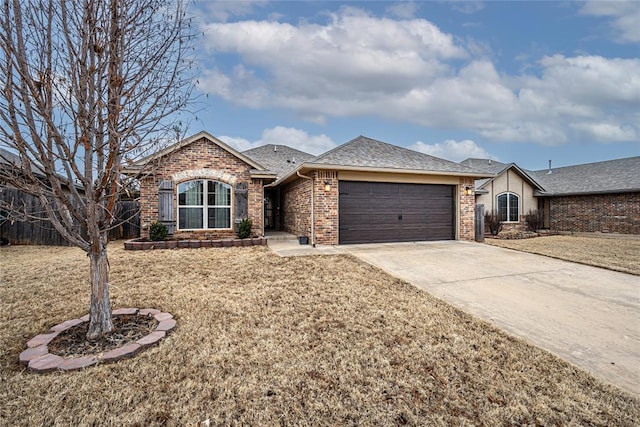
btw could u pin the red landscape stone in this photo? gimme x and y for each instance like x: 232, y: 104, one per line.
x: 42, y: 339
x: 78, y: 363
x: 33, y: 352
x: 121, y: 352
x: 152, y: 338
x: 66, y: 325
x: 166, y: 325
x: 163, y: 316
x: 46, y: 362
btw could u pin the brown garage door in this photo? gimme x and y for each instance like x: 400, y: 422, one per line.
x: 376, y: 212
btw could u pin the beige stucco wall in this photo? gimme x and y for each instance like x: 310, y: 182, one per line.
x: 513, y: 182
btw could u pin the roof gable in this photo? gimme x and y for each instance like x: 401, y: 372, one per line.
x: 190, y: 140
x: 504, y: 168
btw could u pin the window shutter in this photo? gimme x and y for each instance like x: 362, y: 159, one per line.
x: 165, y: 205
x: 241, y: 203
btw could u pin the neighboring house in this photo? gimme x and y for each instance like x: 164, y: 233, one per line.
x: 362, y: 191
x: 594, y: 197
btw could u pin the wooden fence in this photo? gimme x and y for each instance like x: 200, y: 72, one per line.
x: 41, y: 232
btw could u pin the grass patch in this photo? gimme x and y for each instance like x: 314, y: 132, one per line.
x: 611, y: 253
x: 267, y: 340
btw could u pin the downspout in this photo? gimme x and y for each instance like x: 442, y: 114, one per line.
x: 313, y: 225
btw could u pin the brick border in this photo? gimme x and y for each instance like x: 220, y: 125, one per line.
x: 38, y: 359
x: 141, y: 244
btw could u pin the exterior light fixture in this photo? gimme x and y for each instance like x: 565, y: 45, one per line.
x: 468, y: 191
x: 327, y: 186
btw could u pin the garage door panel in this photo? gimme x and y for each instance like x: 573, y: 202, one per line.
x: 395, y: 212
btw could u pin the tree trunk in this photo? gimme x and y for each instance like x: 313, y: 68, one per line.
x: 100, y: 310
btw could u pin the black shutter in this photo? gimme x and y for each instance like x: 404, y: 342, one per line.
x: 165, y: 205
x: 241, y: 203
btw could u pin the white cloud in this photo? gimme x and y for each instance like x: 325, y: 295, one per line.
x: 223, y: 10
x: 408, y: 70
x: 280, y: 135
x: 625, y: 17
x: 607, y: 132
x: 467, y: 7
x: 403, y: 10
x: 455, y: 151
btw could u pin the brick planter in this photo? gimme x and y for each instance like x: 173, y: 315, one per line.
x: 38, y: 359
x: 145, y: 245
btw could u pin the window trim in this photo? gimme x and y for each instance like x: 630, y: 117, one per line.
x: 205, y: 206
x: 508, y: 194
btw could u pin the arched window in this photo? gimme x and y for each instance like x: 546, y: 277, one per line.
x: 509, y: 207
x: 204, y: 204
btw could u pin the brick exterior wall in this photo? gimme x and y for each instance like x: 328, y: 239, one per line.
x: 201, y: 159
x: 295, y: 199
x: 466, y: 208
x: 326, y: 207
x: 606, y: 213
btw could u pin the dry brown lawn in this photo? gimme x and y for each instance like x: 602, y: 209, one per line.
x: 263, y: 340
x: 613, y: 253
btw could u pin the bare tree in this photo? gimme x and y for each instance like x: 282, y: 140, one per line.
x: 86, y: 85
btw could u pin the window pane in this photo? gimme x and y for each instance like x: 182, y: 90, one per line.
x: 502, y: 207
x: 513, y: 208
x: 219, y: 194
x: 190, y: 218
x: 219, y: 218
x: 190, y: 193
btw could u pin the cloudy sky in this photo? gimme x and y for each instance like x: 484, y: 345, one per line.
x: 520, y: 82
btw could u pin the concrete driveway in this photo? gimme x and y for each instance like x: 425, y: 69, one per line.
x: 586, y: 315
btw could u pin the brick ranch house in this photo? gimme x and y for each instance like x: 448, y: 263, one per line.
x: 362, y: 191
x: 593, y: 197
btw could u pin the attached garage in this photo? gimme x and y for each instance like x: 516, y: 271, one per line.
x: 378, y: 212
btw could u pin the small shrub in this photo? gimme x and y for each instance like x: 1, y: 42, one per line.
x: 492, y: 222
x: 244, y: 229
x: 157, y: 231
x: 534, y: 220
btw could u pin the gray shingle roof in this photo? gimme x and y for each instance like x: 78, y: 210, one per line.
x: 279, y: 159
x: 601, y: 177
x: 370, y: 153
x: 487, y: 165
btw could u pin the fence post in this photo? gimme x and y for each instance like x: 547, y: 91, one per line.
x: 479, y: 213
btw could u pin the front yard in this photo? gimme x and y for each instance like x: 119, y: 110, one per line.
x: 263, y: 340
x: 619, y: 254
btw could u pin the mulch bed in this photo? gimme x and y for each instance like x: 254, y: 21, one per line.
x: 126, y: 329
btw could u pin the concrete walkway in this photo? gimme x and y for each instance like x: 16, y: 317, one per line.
x: 586, y: 315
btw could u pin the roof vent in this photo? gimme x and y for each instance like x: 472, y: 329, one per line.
x: 293, y: 160
x: 549, y: 170
x: 275, y: 148
x: 489, y: 162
